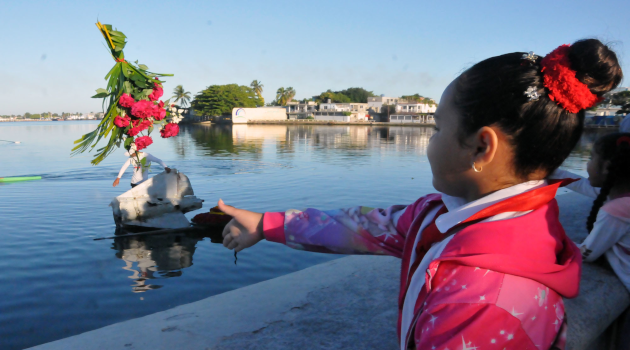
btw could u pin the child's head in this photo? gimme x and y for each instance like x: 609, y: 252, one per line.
x: 609, y: 167
x: 513, y: 121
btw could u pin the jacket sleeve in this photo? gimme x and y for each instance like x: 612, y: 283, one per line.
x: 469, y: 326
x: 607, y: 231
x: 582, y: 186
x: 357, y: 230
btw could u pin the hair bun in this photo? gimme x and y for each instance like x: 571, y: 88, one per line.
x: 596, y: 65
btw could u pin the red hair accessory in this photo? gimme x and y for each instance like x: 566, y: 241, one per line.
x: 623, y: 139
x: 564, y: 88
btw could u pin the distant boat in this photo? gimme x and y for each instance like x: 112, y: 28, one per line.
x: 58, y: 119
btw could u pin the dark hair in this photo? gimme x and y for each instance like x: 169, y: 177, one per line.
x: 541, y: 132
x: 607, y: 149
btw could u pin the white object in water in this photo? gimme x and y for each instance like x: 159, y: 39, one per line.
x: 159, y: 202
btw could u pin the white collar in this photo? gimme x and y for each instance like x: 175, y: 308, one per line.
x: 459, y: 210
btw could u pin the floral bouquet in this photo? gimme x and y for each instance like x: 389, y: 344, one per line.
x: 132, y: 105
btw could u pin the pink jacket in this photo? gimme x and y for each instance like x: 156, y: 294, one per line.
x: 492, y: 285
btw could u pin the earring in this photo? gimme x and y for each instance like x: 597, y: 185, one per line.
x: 475, y: 169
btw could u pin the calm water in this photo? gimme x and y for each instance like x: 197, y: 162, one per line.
x: 57, y: 282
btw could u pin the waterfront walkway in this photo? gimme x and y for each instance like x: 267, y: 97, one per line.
x: 348, y: 303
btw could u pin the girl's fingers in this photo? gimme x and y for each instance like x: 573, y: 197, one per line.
x: 227, y: 229
x: 227, y: 240
x: 233, y: 244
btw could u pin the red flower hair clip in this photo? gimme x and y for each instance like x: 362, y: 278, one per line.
x: 622, y: 140
x: 564, y: 88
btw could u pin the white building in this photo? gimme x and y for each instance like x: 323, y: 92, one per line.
x: 358, y: 111
x: 300, y: 110
x: 415, y: 107
x: 376, y: 103
x: 245, y: 115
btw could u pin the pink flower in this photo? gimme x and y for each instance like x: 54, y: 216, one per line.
x: 138, y: 126
x: 169, y: 130
x: 122, y: 122
x: 157, y: 93
x: 142, y: 109
x: 143, y: 142
x: 126, y: 100
x: 133, y: 132
x: 159, y: 113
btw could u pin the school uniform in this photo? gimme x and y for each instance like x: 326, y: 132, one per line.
x: 610, y: 236
x: 487, y: 274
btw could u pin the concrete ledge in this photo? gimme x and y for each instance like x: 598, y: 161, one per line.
x: 348, y: 303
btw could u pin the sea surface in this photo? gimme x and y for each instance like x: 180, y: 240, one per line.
x: 56, y: 281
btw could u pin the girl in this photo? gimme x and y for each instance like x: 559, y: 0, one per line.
x: 485, y: 262
x: 608, y: 224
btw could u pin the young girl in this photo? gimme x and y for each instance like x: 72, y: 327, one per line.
x: 608, y: 224
x: 485, y: 262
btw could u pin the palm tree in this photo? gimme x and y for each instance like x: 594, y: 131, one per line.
x: 290, y: 94
x: 281, y: 96
x: 181, y: 95
x: 258, y: 88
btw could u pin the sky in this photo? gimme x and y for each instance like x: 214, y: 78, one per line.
x: 53, y: 56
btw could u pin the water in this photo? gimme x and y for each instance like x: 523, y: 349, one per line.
x: 57, y: 281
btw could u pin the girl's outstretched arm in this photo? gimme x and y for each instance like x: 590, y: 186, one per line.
x: 582, y: 186
x: 357, y: 230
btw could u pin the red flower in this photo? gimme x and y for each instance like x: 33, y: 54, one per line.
x: 142, y: 109
x: 122, y: 122
x: 126, y: 100
x: 138, y: 126
x: 159, y: 113
x: 143, y: 142
x: 564, y: 88
x: 169, y: 130
x: 157, y: 93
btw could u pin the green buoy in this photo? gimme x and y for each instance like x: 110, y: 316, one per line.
x: 22, y: 178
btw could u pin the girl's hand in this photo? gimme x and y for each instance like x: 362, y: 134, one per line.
x: 245, y: 229
x: 116, y: 182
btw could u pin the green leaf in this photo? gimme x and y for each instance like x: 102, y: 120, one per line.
x: 127, y: 87
x: 128, y: 142
x: 150, y: 129
x: 142, y: 66
x: 101, y: 95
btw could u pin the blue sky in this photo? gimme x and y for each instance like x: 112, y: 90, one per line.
x: 53, y: 56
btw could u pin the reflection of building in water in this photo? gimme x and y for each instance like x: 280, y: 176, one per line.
x: 257, y: 134
x: 217, y: 139
x: 415, y: 139
x: 411, y: 138
x: 154, y: 257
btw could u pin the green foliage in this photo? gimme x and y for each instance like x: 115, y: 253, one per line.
x: 124, y: 77
x: 310, y: 118
x: 418, y: 99
x: 258, y: 89
x: 357, y: 95
x: 618, y: 99
x: 347, y: 114
x: 218, y: 100
x: 284, y: 95
x: 34, y: 116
